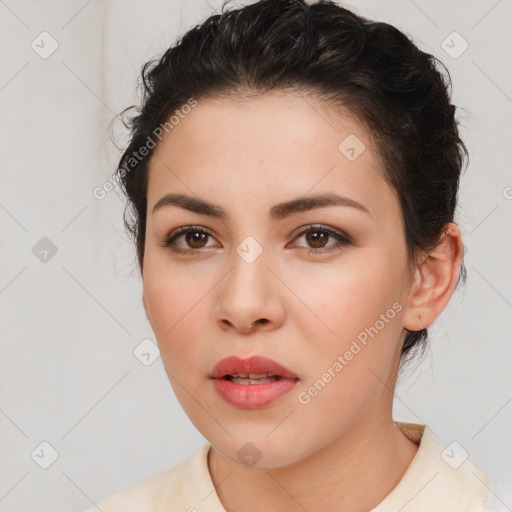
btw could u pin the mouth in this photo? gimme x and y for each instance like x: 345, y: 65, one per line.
x: 252, y: 383
x: 252, y: 378
x: 252, y: 370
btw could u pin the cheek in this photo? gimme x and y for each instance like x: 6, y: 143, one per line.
x: 345, y: 301
x: 178, y: 308
x: 350, y: 371
x: 349, y: 361
x: 179, y: 312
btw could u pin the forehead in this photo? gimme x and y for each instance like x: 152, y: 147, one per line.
x: 270, y: 146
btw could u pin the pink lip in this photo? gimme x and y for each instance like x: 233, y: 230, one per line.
x: 252, y: 396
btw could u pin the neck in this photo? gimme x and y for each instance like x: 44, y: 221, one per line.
x: 363, y: 466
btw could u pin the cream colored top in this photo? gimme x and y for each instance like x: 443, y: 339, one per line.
x: 437, y: 480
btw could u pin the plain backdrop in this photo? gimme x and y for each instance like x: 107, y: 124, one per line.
x: 74, y: 396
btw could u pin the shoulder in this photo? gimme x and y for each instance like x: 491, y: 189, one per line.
x: 153, y: 493
x: 438, y: 479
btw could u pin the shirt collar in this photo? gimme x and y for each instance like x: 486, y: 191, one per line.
x: 437, y: 480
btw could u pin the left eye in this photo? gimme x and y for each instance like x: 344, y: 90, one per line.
x: 316, y: 237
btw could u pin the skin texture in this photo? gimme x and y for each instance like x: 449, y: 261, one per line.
x: 341, y: 450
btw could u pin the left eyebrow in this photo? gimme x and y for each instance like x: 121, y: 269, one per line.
x: 302, y: 204
x: 277, y: 212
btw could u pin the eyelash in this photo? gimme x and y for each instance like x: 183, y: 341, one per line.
x: 343, y: 240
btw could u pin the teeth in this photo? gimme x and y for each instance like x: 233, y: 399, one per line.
x: 260, y: 380
x: 252, y: 378
x: 250, y: 375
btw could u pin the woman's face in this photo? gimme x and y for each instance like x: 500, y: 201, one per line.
x: 275, y: 281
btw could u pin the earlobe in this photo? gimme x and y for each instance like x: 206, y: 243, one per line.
x: 434, y: 280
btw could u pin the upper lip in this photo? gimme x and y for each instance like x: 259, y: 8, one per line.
x: 254, y: 364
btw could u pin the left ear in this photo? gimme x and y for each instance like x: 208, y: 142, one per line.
x: 434, y: 280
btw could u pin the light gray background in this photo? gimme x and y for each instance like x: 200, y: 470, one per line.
x: 69, y: 326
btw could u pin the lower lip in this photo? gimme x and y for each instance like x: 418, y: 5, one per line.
x: 252, y: 396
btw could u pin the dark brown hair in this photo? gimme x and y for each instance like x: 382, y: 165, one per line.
x: 373, y: 70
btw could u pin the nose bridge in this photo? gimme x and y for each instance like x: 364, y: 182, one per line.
x: 250, y: 262
x: 246, y: 294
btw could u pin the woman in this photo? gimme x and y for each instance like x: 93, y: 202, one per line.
x: 292, y: 179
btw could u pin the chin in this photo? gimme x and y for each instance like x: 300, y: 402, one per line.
x: 259, y: 453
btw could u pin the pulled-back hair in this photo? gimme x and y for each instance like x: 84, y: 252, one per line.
x: 371, y: 69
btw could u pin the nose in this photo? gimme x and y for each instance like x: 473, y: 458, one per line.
x: 252, y: 326
x: 248, y: 298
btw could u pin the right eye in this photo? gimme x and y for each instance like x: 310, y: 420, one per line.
x: 193, y: 236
